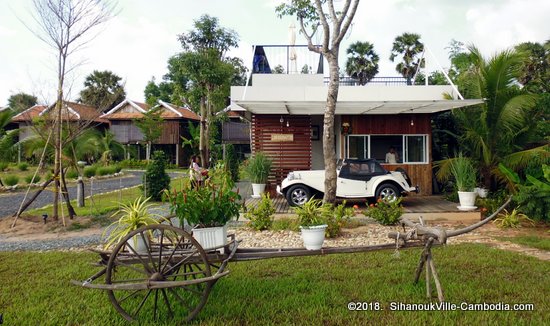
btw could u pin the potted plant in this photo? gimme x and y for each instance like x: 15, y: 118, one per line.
x: 131, y: 217
x: 312, y: 216
x: 207, y: 208
x: 464, y: 173
x: 257, y: 170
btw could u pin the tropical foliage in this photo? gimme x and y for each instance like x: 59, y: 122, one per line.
x: 102, y: 90
x: 407, y: 47
x: 362, y: 63
x: 499, y: 129
x: 261, y: 216
x: 155, y: 179
x: 386, y: 213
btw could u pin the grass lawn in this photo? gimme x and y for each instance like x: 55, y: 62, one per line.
x: 530, y: 241
x: 104, y: 203
x: 301, y: 290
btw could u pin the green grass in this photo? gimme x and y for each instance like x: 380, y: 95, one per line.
x: 530, y: 241
x: 103, y: 203
x: 301, y: 290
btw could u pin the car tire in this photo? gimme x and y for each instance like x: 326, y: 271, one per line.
x: 387, y: 192
x: 298, y: 195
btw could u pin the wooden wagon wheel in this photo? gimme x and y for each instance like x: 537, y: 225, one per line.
x: 171, y: 255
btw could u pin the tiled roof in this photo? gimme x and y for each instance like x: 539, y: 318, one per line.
x: 71, y: 112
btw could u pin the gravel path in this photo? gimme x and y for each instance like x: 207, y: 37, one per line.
x: 9, y: 203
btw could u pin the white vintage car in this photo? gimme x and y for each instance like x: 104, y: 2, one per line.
x: 356, y: 179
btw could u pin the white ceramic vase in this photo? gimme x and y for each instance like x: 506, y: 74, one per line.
x: 313, y: 236
x: 257, y: 190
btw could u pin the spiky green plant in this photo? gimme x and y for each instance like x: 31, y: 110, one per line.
x: 132, y: 216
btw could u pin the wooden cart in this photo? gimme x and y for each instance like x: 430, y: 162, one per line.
x: 173, y: 275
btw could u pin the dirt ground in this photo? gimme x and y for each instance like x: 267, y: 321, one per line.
x: 33, y: 228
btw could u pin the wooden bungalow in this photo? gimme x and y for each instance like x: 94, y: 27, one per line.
x: 76, y: 115
x: 287, y: 110
x: 122, y: 123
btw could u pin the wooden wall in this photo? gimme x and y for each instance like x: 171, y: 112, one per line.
x: 289, y: 147
x: 420, y: 174
x: 170, y: 132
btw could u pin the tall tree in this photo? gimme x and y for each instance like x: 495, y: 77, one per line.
x: 21, y: 101
x: 149, y: 126
x: 102, y: 90
x: 334, y: 24
x: 534, y: 73
x: 362, y: 62
x: 163, y: 91
x: 209, y: 71
x: 63, y: 25
x: 499, y: 130
x: 408, y: 47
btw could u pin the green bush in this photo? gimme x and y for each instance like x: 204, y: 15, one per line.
x: 155, y: 179
x: 261, y: 216
x: 133, y: 164
x: 71, y: 174
x: 385, y: 213
x: 23, y: 166
x: 90, y: 171
x: 106, y: 170
x: 286, y: 224
x: 29, y: 179
x: 3, y: 166
x: 337, y: 218
x: 232, y: 161
x: 11, y: 180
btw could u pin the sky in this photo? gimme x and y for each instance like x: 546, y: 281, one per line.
x: 137, y: 42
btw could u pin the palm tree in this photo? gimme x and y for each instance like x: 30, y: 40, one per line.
x: 362, y: 62
x: 408, y: 46
x: 92, y: 145
x: 499, y: 130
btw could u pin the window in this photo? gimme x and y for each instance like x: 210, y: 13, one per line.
x: 415, y: 149
x: 408, y: 148
x: 358, y: 147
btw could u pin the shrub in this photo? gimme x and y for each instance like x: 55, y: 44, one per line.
x: 133, y: 164
x: 29, y: 179
x: 337, y: 218
x: 261, y: 216
x: 464, y: 173
x: 512, y: 219
x: 90, y: 171
x: 11, y: 180
x: 155, y: 179
x: 23, y: 166
x: 3, y: 166
x: 286, y: 224
x: 106, y: 170
x: 71, y: 174
x: 232, y: 162
x: 385, y: 213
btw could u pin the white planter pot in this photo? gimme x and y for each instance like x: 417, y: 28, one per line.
x: 467, y: 200
x: 313, y: 236
x: 210, y: 238
x: 138, y: 243
x: 257, y: 190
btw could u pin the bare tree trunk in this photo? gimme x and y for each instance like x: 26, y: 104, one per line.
x: 58, y: 141
x: 65, y: 193
x: 202, y: 133
x: 329, y: 147
x: 38, y: 192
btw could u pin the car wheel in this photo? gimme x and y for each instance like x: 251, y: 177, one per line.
x: 298, y: 195
x: 387, y: 192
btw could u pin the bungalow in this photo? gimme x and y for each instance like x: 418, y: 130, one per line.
x: 287, y: 110
x: 76, y: 114
x: 122, y: 123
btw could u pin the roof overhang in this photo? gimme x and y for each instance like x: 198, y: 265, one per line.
x: 352, y: 107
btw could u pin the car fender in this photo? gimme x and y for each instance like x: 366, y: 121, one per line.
x: 313, y: 179
x: 387, y: 178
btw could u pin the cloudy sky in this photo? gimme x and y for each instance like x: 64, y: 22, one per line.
x: 137, y: 42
